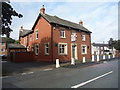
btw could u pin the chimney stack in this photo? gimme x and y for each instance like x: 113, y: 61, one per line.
x: 21, y: 28
x: 42, y: 10
x: 81, y: 22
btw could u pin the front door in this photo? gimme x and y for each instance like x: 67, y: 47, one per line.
x: 74, y: 51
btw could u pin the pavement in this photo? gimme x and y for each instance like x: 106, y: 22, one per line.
x: 12, y: 68
x: 90, y: 75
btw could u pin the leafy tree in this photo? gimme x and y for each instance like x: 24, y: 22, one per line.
x: 10, y: 40
x: 114, y: 43
x: 17, y: 42
x: 7, y: 13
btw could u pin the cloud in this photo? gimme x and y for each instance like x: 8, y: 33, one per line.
x: 99, y: 17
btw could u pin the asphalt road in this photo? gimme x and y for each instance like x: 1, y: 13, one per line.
x: 104, y: 75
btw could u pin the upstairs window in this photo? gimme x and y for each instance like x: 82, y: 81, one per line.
x: 84, y: 49
x: 73, y: 36
x: 46, y: 48
x: 36, y: 34
x: 83, y: 36
x: 62, y: 33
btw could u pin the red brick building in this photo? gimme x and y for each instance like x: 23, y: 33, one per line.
x: 52, y: 37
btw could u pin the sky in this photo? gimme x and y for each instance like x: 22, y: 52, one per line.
x: 101, y: 18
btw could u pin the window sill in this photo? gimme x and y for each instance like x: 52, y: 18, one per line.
x: 84, y: 53
x: 63, y: 37
x: 83, y: 40
x: 63, y: 54
x: 47, y: 54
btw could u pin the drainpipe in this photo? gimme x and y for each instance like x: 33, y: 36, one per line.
x: 52, y: 42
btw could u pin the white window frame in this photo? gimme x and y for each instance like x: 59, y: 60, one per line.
x: 83, y: 36
x: 62, y: 33
x: 73, y: 36
x: 65, y: 48
x: 36, y: 34
x: 47, y: 53
x: 36, y: 49
x: 85, y: 49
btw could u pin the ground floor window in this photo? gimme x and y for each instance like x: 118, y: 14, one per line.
x: 84, y: 49
x: 36, y: 49
x: 47, y: 48
x: 62, y: 48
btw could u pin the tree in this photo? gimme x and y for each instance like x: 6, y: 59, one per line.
x: 114, y: 43
x: 7, y: 13
x: 10, y: 40
x: 17, y: 42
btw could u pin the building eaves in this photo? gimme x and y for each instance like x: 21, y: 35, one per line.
x: 25, y: 32
x: 16, y: 46
x: 59, y: 21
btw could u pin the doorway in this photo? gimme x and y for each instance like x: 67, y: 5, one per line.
x: 74, y: 51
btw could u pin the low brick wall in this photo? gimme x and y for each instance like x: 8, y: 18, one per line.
x: 22, y: 56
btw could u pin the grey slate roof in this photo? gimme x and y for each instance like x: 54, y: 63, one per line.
x: 99, y: 44
x: 25, y: 32
x: 16, y: 46
x: 57, y: 20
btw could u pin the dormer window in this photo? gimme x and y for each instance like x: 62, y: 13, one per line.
x: 62, y: 34
x: 36, y: 34
x: 83, y: 36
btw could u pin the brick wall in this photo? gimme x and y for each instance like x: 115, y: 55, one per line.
x: 79, y: 42
x: 22, y: 56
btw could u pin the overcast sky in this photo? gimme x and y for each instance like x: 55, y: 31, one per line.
x: 99, y: 17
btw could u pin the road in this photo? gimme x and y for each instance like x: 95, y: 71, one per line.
x: 104, y: 75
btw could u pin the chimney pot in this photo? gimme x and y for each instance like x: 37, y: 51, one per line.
x: 81, y: 22
x: 21, y: 27
x: 42, y: 10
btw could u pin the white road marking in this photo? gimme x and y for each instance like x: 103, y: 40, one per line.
x: 30, y: 72
x: 4, y: 77
x: 3, y: 61
x: 79, y: 85
x: 27, y: 73
x: 23, y: 73
x: 105, y: 62
x: 48, y: 69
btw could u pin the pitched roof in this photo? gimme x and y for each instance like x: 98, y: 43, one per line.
x: 99, y: 44
x: 16, y: 46
x: 57, y: 20
x: 25, y: 32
